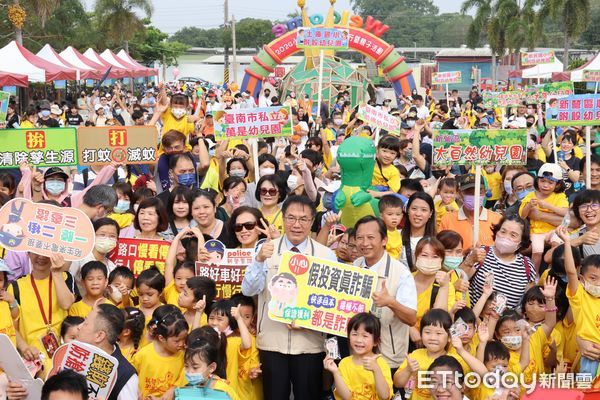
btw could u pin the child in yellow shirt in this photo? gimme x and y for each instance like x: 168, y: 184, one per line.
x: 129, y: 339
x: 160, y: 364
x: 390, y: 209
x: 120, y: 285
x: 364, y: 374
x: 94, y: 278
x: 447, y: 189
x: 494, y: 183
x: 149, y: 286
x: 549, y: 198
x: 199, y: 291
x: 386, y: 177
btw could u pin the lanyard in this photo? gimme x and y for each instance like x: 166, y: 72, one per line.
x: 47, y: 321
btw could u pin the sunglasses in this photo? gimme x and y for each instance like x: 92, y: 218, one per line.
x: 270, y: 192
x: 248, y: 225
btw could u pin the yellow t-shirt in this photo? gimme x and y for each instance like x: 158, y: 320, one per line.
x: 7, y: 325
x: 211, y: 180
x: 494, y: 181
x: 441, y: 210
x: 586, y: 313
x: 26, y: 124
x: 124, y: 220
x: 144, y: 339
x: 80, y: 309
x: 156, y: 373
x: 360, y: 381
x: 171, y: 295
x: 389, y: 178
x: 275, y: 219
x: 394, y: 244
x: 31, y: 324
x: 329, y: 135
x: 171, y: 123
x: 424, y: 299
x: 537, y: 341
x: 555, y: 199
x: 221, y: 385
x: 128, y: 352
x: 568, y: 344
x: 239, y: 364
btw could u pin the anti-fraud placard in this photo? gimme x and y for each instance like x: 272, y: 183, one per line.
x: 319, y: 294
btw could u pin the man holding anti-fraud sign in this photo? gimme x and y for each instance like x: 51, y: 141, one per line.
x: 289, y: 355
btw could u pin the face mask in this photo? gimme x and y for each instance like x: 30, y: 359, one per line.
x: 428, y: 266
x: 410, y: 123
x: 512, y: 342
x: 529, y: 124
x: 440, y: 173
x: 45, y: 113
x: 523, y: 193
x: 188, y: 179
x: 452, y: 262
x: 105, y: 245
x: 337, y: 121
x: 266, y: 171
x: 211, y: 152
x: 195, y: 379
x: 122, y: 206
x: 505, y: 246
x: 178, y: 112
x: 292, y: 182
x: 469, y: 202
x: 117, y: 111
x: 593, y: 290
x: 55, y: 187
x: 239, y: 173
x: 508, y: 187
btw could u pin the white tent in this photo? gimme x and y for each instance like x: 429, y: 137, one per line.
x: 13, y: 61
x: 110, y: 58
x: 593, y: 64
x: 542, y: 71
x: 75, y: 58
x: 49, y: 54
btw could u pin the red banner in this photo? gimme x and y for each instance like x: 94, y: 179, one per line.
x: 140, y: 254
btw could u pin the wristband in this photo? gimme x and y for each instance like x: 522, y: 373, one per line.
x: 549, y: 298
x: 551, y: 309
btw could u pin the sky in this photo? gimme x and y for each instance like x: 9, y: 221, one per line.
x: 171, y: 15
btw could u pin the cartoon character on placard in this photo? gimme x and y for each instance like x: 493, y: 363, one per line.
x: 284, y: 289
x: 552, y: 108
x: 11, y: 233
x: 216, y: 249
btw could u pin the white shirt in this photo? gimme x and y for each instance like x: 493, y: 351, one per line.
x: 130, y: 390
x: 263, y: 101
x: 422, y: 112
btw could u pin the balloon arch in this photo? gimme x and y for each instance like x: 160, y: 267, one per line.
x: 383, y: 53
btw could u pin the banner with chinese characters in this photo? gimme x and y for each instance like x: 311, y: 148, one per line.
x: 253, y: 123
x: 539, y: 94
x: 537, y: 57
x: 319, y: 294
x: 98, y: 367
x: 228, y: 272
x: 122, y: 144
x: 378, y: 118
x: 140, y: 254
x: 322, y: 38
x: 591, y: 75
x: 4, y: 99
x: 39, y: 147
x: 479, y: 146
x: 580, y: 109
x: 503, y: 99
x: 46, y: 229
x: 446, y: 77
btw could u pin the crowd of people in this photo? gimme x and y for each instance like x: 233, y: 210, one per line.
x: 520, y: 296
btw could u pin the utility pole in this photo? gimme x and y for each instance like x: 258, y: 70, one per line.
x: 234, y: 48
x: 226, y: 55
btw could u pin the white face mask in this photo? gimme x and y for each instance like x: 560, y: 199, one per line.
x: 593, y: 290
x: 105, y: 245
x: 178, y: 112
x: 239, y: 173
x: 292, y: 182
x: 508, y: 187
x: 337, y: 121
x: 512, y: 342
x: 428, y: 266
x: 266, y: 171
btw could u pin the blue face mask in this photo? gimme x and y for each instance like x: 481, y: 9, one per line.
x: 122, y: 206
x: 195, y: 379
x: 452, y: 262
x: 45, y: 113
x: 55, y: 187
x: 523, y: 193
x: 188, y: 179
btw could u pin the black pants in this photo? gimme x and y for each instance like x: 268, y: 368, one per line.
x: 281, y: 372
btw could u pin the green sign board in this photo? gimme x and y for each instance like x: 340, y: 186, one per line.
x: 539, y: 94
x: 39, y: 147
x: 479, y: 147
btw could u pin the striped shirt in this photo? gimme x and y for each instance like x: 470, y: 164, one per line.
x: 510, y: 278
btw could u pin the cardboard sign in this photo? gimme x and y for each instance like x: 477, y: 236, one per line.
x: 123, y: 144
x: 4, y: 99
x: 322, y: 38
x: 39, y: 147
x: 513, y: 98
x: 479, y: 147
x: 227, y: 267
x: 444, y: 78
x: 537, y: 57
x: 140, y: 254
x: 319, y: 294
x: 98, y: 367
x: 591, y: 75
x: 539, y: 94
x: 581, y: 109
x: 46, y: 229
x: 379, y: 118
x: 253, y: 123
x: 12, y: 364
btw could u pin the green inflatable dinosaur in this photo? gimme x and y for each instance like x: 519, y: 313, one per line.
x: 356, y: 157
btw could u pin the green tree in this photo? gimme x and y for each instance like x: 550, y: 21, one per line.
x: 250, y: 32
x: 450, y: 30
x: 574, y: 17
x: 43, y: 8
x: 119, y: 19
x: 591, y: 36
x: 197, y: 37
x: 150, y: 44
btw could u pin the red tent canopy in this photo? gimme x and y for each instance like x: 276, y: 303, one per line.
x: 115, y: 72
x: 10, y: 79
x: 133, y: 71
x: 83, y: 72
x: 54, y: 72
x: 123, y: 55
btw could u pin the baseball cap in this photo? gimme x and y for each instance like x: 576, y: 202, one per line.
x: 55, y: 110
x: 55, y: 171
x: 98, y: 106
x: 467, y: 181
x: 551, y: 171
x: 4, y: 267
